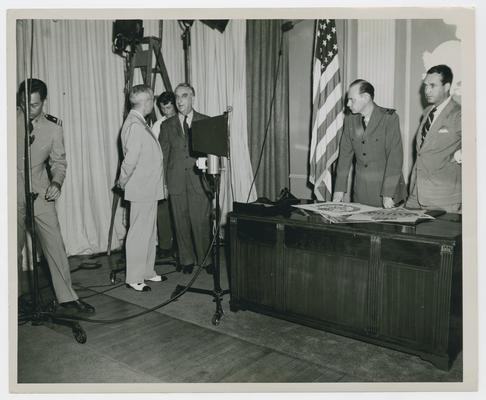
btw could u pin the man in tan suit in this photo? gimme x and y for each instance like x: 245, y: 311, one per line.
x: 141, y: 178
x: 436, y: 175
x: 47, y: 146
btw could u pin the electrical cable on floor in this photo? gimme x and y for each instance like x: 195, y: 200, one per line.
x: 172, y: 299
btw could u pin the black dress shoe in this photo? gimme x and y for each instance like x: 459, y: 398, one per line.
x: 78, y: 306
x: 209, y: 269
x: 187, y: 269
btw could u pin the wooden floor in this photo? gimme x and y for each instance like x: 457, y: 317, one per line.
x: 178, y: 343
x: 165, y: 349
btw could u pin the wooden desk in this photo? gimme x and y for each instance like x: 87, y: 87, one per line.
x: 391, y: 285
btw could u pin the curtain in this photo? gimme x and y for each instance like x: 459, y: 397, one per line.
x: 267, y: 99
x: 85, y: 89
x: 218, y: 75
x: 85, y: 81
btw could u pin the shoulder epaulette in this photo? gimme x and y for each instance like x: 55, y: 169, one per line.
x: 389, y: 111
x: 53, y: 119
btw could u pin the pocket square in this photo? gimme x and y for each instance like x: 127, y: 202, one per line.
x: 443, y: 130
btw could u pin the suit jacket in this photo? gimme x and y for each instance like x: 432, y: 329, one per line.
x: 141, y: 169
x: 179, y: 160
x: 436, y: 178
x: 47, y: 149
x: 379, y: 158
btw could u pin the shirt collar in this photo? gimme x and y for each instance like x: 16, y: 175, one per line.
x: 38, y: 118
x: 139, y: 114
x: 189, y: 118
x: 442, y: 105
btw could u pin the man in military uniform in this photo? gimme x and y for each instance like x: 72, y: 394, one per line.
x: 47, y: 145
x: 371, y: 134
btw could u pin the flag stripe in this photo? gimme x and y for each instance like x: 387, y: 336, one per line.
x: 327, y: 109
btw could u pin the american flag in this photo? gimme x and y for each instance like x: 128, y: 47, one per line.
x: 327, y: 109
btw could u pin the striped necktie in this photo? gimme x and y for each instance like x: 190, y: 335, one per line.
x: 427, y: 125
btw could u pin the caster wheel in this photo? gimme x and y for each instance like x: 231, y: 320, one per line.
x: 112, y: 278
x: 216, y: 319
x: 79, y: 334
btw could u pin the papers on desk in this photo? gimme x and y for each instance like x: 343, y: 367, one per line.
x: 343, y: 213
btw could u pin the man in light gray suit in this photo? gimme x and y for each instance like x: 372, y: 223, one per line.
x: 189, y: 202
x: 436, y: 174
x: 141, y: 178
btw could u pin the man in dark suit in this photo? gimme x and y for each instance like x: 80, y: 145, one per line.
x: 166, y: 105
x: 47, y: 146
x: 436, y: 174
x: 188, y: 198
x: 372, y: 135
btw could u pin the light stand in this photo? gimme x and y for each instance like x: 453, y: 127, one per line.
x: 36, y: 314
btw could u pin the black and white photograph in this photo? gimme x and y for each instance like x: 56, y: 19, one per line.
x: 209, y: 200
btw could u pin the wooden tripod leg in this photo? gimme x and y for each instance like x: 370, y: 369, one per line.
x: 116, y: 198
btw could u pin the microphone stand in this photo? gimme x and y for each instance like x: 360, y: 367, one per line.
x: 37, y: 315
x: 217, y: 293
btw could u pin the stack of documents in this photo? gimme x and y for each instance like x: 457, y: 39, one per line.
x: 340, y: 213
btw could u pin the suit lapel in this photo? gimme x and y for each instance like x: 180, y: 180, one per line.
x: 437, y: 124
x: 421, y: 126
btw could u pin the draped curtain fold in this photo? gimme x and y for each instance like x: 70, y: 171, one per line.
x: 267, y: 79
x: 218, y: 75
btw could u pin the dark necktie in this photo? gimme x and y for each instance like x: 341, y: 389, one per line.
x: 185, y: 126
x: 363, y: 123
x: 427, y: 125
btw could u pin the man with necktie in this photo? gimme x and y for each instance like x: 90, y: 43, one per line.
x: 436, y: 175
x: 371, y: 135
x: 141, y: 179
x: 46, y: 147
x: 188, y: 198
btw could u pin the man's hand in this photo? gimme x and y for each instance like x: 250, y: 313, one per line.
x: 388, y: 202
x: 118, y: 185
x: 457, y: 156
x: 53, y: 191
x: 338, y: 196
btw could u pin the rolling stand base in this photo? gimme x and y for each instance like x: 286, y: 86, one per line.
x: 38, y: 318
x: 217, y: 298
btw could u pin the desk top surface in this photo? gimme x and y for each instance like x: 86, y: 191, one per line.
x: 444, y: 227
